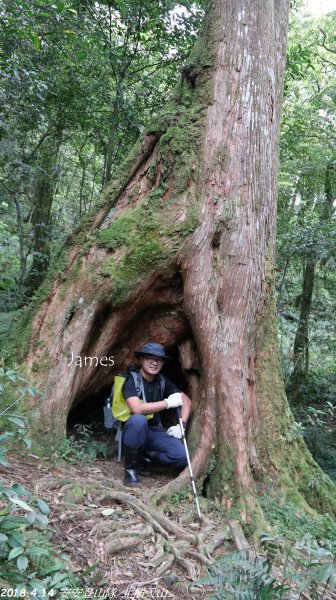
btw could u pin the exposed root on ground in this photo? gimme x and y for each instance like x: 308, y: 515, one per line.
x: 189, y: 546
x: 128, y: 542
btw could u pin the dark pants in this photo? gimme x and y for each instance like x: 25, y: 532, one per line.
x: 137, y: 434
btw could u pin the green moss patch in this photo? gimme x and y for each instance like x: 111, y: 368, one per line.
x: 132, y: 267
x: 293, y: 523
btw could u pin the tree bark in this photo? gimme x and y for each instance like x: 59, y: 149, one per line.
x: 111, y: 149
x: 43, y: 195
x: 301, y: 342
x: 181, y: 251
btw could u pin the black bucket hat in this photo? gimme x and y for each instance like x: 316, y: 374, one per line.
x: 153, y: 349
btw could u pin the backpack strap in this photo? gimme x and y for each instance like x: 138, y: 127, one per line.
x: 162, y: 386
x: 139, y: 385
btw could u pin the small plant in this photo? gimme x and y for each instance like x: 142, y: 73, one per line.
x: 81, y: 447
x: 243, y: 576
x: 281, y: 573
x: 318, y: 567
x: 179, y: 497
x: 295, y: 432
x: 28, y: 559
x: 319, y: 435
x: 317, y: 482
x: 321, y: 416
x: 293, y: 524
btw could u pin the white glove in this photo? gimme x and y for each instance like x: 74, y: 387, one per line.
x: 175, y: 432
x: 174, y: 400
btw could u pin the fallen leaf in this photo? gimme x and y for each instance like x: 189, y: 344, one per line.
x: 107, y: 512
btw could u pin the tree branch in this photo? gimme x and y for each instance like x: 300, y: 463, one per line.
x: 324, y: 42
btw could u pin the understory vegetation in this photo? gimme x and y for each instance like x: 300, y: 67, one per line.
x: 298, y: 558
x: 280, y: 572
x: 28, y: 560
x: 306, y: 236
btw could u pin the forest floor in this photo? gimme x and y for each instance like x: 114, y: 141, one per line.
x: 139, y: 551
x: 135, y: 549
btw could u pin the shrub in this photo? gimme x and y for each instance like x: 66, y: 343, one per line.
x: 280, y: 573
x: 293, y: 524
x: 81, y: 447
x: 27, y: 558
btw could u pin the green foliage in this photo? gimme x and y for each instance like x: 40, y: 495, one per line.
x: 293, y: 524
x: 299, y: 62
x: 9, y: 260
x: 179, y: 497
x: 28, y: 559
x: 319, y: 394
x: 13, y: 387
x: 248, y: 575
x: 86, y: 77
x: 319, y: 421
x: 306, y: 214
x: 81, y: 447
x: 236, y: 575
x: 295, y: 432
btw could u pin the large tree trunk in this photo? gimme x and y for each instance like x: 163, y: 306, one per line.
x: 181, y: 251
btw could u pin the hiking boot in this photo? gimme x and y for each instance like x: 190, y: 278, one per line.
x: 131, y: 466
x: 131, y: 478
x: 152, y: 456
x: 144, y: 467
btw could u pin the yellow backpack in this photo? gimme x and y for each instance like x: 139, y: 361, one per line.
x: 120, y: 409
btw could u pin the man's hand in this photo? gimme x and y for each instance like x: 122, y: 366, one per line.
x: 174, y: 400
x: 175, y: 432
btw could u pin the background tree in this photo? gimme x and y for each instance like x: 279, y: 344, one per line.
x: 71, y: 109
x: 306, y: 230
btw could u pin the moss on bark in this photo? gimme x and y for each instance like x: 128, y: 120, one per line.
x: 288, y: 466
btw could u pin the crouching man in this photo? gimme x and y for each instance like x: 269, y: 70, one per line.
x: 142, y: 435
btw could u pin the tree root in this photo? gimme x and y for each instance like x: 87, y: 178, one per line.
x: 100, y: 528
x: 217, y: 540
x: 51, y: 483
x: 200, y: 557
x: 238, y: 536
x: 167, y: 564
x: 185, y: 563
x: 122, y: 540
x: 160, y: 553
x: 159, y: 522
x: 190, y: 550
x: 85, y: 514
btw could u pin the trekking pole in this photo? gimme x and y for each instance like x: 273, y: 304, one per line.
x: 189, y: 463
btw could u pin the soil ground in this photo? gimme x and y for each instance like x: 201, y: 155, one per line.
x: 94, y: 528
x: 135, y: 550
